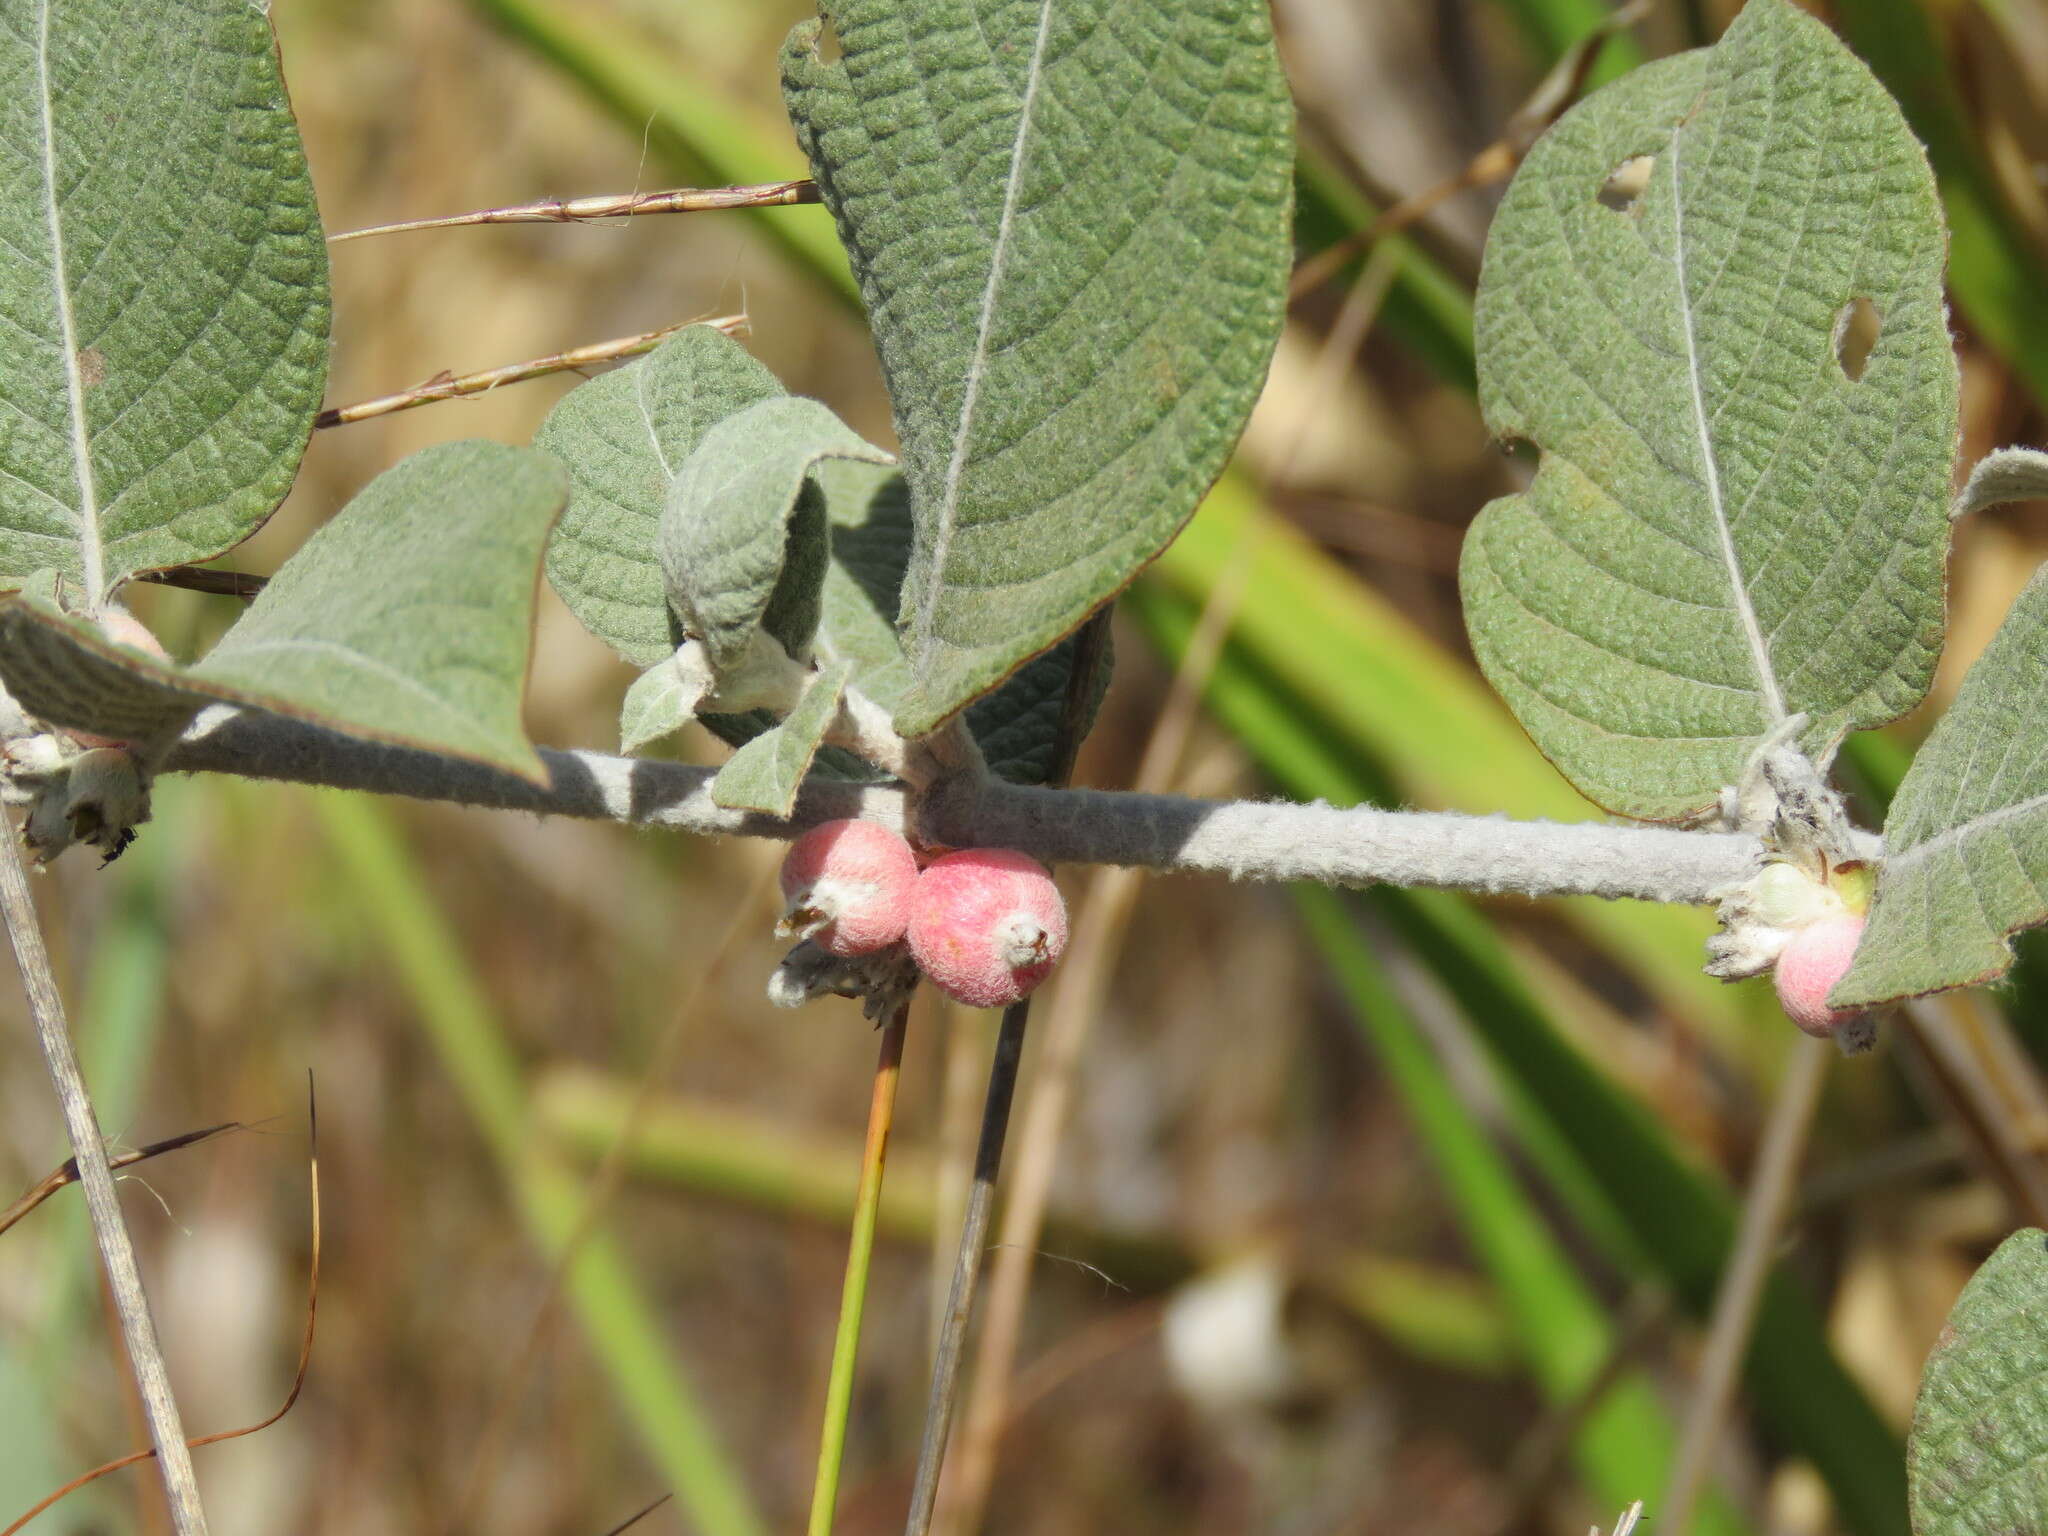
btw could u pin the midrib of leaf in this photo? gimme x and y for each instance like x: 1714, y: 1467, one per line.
x: 91, y: 555
x: 1953, y: 835
x: 1759, y: 650
x: 977, y: 365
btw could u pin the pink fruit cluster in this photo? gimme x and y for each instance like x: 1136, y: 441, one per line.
x: 986, y: 924
x: 1812, y: 961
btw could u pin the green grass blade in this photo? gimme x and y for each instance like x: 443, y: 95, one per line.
x: 1549, y: 27
x: 1678, y: 1218
x: 1994, y: 268
x: 685, y: 120
x: 1427, y: 310
x: 380, y: 872
x: 1438, y: 736
x: 1626, y: 1443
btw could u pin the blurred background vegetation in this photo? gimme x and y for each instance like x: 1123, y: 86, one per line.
x: 1368, y: 1214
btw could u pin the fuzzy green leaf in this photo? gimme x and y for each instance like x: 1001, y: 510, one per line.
x: 1966, y: 842
x: 1016, y: 725
x: 742, y: 538
x: 2001, y: 476
x: 623, y: 437
x: 1725, y: 528
x: 1070, y: 224
x: 1978, y: 1460
x: 766, y: 773
x: 662, y: 700
x: 164, y: 279
x: 408, y: 618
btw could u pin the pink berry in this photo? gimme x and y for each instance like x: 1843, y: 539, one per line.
x: 847, y: 885
x: 986, y: 925
x: 1812, y: 961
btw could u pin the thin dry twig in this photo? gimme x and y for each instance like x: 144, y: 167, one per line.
x: 57, y: 1178
x: 117, y: 1252
x: 623, y: 205
x: 448, y: 386
x: 995, y: 1125
x: 199, y: 578
x: 1771, y: 1189
x: 305, y: 1339
x: 1496, y: 163
x: 1075, y: 1002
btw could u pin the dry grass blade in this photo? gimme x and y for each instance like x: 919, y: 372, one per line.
x: 638, y: 1515
x: 449, y: 386
x: 305, y: 1339
x: 57, y: 1178
x: 1771, y: 1190
x: 1493, y: 164
x: 625, y: 205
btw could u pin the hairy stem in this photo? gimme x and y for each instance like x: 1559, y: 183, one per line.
x: 88, y: 1146
x: 1244, y: 839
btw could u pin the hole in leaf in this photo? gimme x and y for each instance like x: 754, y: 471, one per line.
x: 1856, y: 326
x: 1623, y: 189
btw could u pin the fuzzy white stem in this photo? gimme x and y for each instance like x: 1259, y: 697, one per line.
x: 1246, y: 840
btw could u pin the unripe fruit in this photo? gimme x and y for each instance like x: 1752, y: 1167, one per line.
x: 986, y: 925
x: 847, y: 885
x: 123, y: 628
x: 1812, y: 961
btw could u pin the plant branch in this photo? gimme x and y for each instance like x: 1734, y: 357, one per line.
x: 624, y: 205
x: 448, y: 386
x: 88, y: 1145
x: 1246, y: 840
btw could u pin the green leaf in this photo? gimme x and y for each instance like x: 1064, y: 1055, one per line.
x: 164, y: 278
x: 744, y: 512
x: 1069, y: 222
x: 1966, y: 843
x: 1017, y: 725
x: 766, y: 773
x: 623, y: 436
x: 408, y: 619
x: 1726, y: 528
x: 663, y: 699
x: 1978, y: 1459
x: 2003, y: 475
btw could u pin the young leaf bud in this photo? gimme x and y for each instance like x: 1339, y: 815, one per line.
x: 847, y: 885
x: 987, y: 925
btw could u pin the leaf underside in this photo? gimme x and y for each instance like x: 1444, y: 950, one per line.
x: 624, y: 436
x: 1726, y: 527
x: 1966, y: 842
x: 1978, y: 1460
x: 742, y: 536
x: 1069, y: 219
x: 766, y: 773
x: 407, y: 619
x: 164, y: 276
